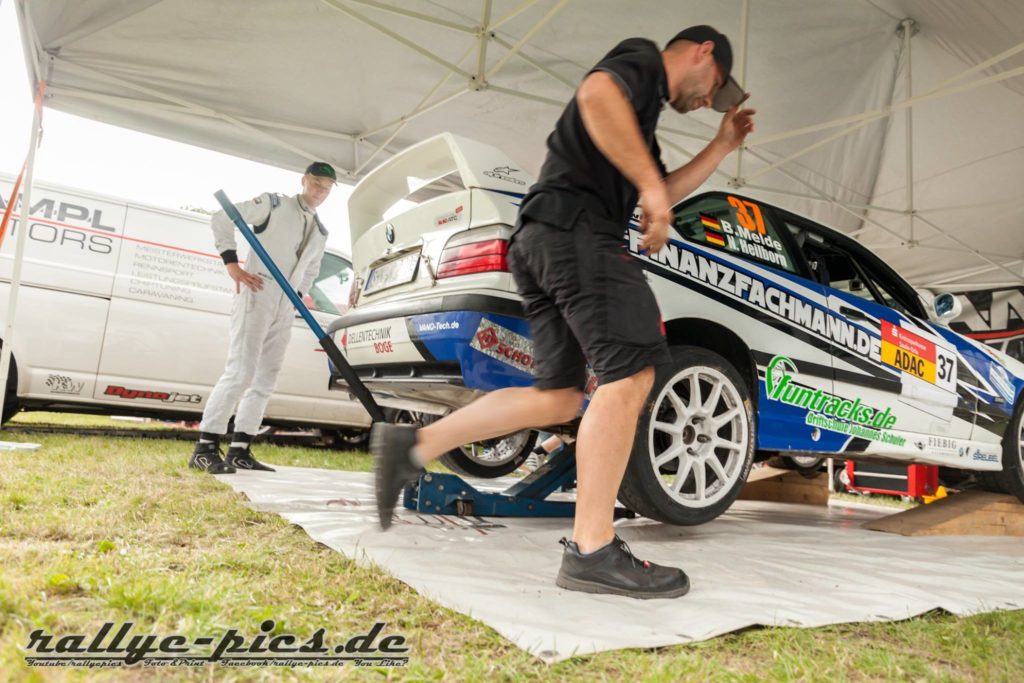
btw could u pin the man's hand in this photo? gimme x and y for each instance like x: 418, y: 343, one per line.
x: 241, y: 277
x: 656, y: 218
x: 736, y: 124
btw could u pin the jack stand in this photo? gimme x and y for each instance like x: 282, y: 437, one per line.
x: 448, y: 494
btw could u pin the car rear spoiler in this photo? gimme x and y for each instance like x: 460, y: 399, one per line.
x: 477, y: 165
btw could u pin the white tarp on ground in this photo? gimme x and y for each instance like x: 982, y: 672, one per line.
x: 760, y: 564
x: 352, y: 81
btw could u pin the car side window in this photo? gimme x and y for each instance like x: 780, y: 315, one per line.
x: 737, y: 226
x: 835, y: 267
x: 331, y: 287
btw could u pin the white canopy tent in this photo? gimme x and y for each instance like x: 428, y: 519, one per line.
x: 898, y: 121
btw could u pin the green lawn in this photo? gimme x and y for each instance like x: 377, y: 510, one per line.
x: 113, y: 529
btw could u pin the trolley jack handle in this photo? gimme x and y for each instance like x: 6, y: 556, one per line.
x: 355, y: 384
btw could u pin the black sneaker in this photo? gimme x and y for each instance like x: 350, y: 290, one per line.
x: 206, y: 457
x: 614, y: 569
x: 392, y: 465
x: 240, y: 458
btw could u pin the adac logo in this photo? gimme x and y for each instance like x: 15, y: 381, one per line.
x: 504, y: 173
x: 389, y: 233
x: 487, y: 337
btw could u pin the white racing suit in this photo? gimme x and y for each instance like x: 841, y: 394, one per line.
x: 261, y: 322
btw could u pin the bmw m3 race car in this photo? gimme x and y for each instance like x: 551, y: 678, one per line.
x: 787, y: 338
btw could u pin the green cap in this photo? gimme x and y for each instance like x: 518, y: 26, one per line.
x: 322, y: 169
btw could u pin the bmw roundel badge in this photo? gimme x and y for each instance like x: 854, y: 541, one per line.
x: 389, y: 233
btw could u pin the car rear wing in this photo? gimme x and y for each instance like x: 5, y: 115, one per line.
x: 476, y: 165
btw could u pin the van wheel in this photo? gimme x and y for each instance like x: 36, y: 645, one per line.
x: 493, y: 457
x: 11, y: 403
x: 1011, y: 478
x: 694, y: 442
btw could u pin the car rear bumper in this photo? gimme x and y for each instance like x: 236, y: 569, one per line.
x: 438, y: 353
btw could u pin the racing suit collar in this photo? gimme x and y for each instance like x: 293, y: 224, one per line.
x: 302, y: 204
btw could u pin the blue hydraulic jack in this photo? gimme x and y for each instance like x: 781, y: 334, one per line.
x: 433, y: 493
x: 447, y: 494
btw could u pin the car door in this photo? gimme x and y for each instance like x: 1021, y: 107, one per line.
x: 737, y: 267
x: 906, y: 375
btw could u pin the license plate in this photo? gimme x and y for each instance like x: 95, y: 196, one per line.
x: 392, y: 273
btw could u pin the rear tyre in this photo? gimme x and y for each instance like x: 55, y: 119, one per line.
x: 485, y: 459
x: 493, y: 457
x: 1011, y: 478
x: 11, y: 403
x: 806, y: 465
x: 694, y: 442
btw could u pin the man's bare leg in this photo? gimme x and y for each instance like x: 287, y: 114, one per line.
x: 602, y: 450
x: 496, y: 414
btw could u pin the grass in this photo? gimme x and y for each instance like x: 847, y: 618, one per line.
x: 95, y: 529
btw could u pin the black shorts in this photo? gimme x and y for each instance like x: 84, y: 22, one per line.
x: 586, y: 299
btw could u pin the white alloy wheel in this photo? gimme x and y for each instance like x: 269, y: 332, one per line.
x: 698, y: 441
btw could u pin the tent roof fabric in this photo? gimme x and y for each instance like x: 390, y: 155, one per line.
x: 909, y: 139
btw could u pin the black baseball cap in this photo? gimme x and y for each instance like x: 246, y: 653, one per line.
x: 322, y: 169
x: 730, y: 94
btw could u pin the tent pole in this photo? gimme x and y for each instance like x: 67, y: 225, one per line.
x: 513, y: 13
x: 526, y: 38
x: 338, y: 5
x: 744, y: 25
x: 426, y: 18
x: 889, y: 110
x: 200, y: 109
x: 909, y: 28
x: 23, y: 226
x: 969, y: 272
x: 485, y: 31
x: 809, y: 148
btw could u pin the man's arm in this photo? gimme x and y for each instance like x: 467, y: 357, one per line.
x: 312, y: 270
x: 612, y: 125
x: 254, y: 211
x: 736, y: 125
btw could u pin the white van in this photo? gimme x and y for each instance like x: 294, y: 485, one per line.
x: 123, y: 309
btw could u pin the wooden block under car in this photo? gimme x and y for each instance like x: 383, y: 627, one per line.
x: 970, y: 513
x: 785, y: 486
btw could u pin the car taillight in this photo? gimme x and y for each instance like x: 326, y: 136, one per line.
x: 475, y: 257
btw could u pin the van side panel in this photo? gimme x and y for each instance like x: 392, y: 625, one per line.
x: 73, y: 240
x: 71, y: 247
x: 57, y: 339
x: 168, y: 324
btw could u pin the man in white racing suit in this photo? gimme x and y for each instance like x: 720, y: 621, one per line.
x: 261, y: 315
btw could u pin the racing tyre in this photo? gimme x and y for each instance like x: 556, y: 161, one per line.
x: 493, y: 457
x: 485, y: 459
x: 805, y: 465
x: 841, y: 480
x: 694, y: 441
x: 11, y: 404
x: 1011, y: 478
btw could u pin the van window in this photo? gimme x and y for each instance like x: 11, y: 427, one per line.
x: 737, y: 226
x: 331, y: 287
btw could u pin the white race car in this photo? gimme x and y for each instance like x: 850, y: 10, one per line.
x: 787, y: 337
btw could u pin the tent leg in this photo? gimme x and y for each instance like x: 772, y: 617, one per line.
x: 22, y: 228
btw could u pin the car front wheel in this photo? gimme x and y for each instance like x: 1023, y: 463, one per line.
x: 695, y: 441
x: 1011, y: 478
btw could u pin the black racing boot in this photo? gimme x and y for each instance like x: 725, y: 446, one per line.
x: 240, y: 457
x: 206, y: 457
x: 391, y: 446
x: 614, y: 569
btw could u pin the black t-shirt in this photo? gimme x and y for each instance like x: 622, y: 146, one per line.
x: 576, y: 176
